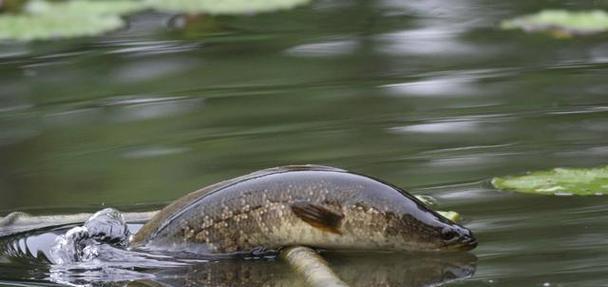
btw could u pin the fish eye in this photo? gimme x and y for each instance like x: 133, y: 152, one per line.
x: 447, y: 234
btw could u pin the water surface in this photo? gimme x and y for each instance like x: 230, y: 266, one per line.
x: 426, y: 95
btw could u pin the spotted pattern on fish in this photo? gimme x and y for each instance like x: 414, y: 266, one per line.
x: 308, y: 205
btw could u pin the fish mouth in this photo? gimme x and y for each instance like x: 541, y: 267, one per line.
x: 462, y: 244
x: 468, y: 243
x: 458, y: 238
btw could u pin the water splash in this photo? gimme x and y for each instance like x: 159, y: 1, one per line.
x: 98, y: 251
x: 84, y: 243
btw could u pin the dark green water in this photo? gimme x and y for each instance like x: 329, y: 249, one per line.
x: 430, y: 96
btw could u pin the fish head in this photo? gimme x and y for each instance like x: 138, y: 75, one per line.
x: 390, y: 218
x: 408, y: 229
x: 437, y: 234
x: 456, y: 237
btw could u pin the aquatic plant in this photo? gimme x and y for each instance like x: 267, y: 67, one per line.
x: 83, y: 8
x: 223, y: 7
x: 451, y: 215
x: 42, y: 20
x: 431, y: 202
x: 48, y: 20
x: 558, y: 181
x: 561, y: 23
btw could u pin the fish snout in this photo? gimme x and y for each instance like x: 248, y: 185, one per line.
x: 470, y: 242
x: 459, y: 238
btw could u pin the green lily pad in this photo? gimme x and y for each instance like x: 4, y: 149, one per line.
x: 49, y: 20
x: 28, y: 28
x: 84, y: 8
x: 223, y: 6
x: 42, y: 20
x: 558, y: 181
x: 561, y: 22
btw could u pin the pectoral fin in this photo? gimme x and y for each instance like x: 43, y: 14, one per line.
x: 318, y: 216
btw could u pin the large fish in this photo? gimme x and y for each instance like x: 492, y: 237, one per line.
x: 310, y: 205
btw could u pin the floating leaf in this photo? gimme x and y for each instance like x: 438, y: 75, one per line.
x: 430, y: 201
x: 558, y: 181
x: 27, y: 27
x: 561, y: 23
x: 451, y: 215
x: 223, y: 6
x: 49, y: 20
x: 46, y: 20
x: 84, y: 8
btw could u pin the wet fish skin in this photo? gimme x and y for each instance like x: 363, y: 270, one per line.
x: 308, y: 205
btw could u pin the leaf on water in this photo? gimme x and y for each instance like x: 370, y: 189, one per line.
x: 223, y: 6
x: 28, y: 28
x: 430, y: 201
x: 561, y: 23
x: 558, y: 181
x: 451, y: 215
x: 46, y: 20
x: 66, y: 19
x: 84, y: 8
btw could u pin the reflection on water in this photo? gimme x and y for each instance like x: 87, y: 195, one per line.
x: 356, y: 270
x: 433, y: 87
x: 429, y: 96
x: 324, y: 49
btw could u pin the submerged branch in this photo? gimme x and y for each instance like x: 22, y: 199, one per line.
x: 311, y: 266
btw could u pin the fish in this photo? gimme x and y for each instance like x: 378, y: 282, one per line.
x: 300, y: 205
